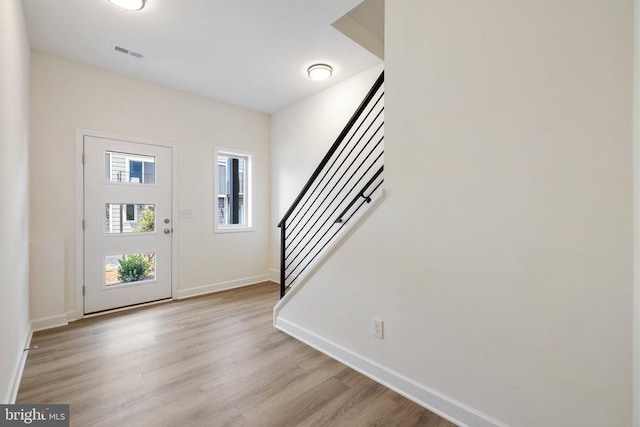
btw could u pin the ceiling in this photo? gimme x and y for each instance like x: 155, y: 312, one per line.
x: 249, y: 53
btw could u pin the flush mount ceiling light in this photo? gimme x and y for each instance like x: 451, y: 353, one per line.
x: 129, y: 4
x: 319, y: 72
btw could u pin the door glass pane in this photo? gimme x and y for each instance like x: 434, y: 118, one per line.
x: 129, y: 268
x: 131, y: 168
x: 129, y: 218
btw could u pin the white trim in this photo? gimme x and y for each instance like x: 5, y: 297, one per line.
x: 274, y: 275
x: 222, y: 286
x: 436, y: 402
x: 72, y: 316
x: 127, y: 308
x: 12, y: 393
x: 79, y: 214
x: 174, y: 220
x: 233, y: 228
x: 376, y: 199
x: 79, y: 243
x: 49, y: 322
x: 635, y: 397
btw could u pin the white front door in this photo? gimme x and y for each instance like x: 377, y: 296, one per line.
x: 127, y: 223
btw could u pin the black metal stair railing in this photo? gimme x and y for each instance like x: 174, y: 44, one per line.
x: 342, y: 184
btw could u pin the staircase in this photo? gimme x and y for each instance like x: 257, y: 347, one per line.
x: 342, y: 190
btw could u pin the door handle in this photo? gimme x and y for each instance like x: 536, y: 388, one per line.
x: 167, y: 231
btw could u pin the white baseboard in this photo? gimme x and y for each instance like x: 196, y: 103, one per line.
x: 12, y: 394
x: 438, y: 403
x: 274, y: 275
x: 222, y: 286
x: 49, y: 322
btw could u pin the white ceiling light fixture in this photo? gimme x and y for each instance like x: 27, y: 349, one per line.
x: 319, y: 72
x: 129, y: 4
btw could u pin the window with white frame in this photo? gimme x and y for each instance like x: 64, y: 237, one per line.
x: 143, y: 172
x: 232, y: 190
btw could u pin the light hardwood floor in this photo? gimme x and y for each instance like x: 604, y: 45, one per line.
x: 215, y: 360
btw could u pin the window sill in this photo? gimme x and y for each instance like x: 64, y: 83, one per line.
x: 240, y: 229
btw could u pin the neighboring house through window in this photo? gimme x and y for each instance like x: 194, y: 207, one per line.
x: 135, y: 169
x: 233, y: 190
x: 123, y: 218
x: 142, y: 172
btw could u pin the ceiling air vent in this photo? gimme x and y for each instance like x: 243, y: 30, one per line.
x: 129, y: 52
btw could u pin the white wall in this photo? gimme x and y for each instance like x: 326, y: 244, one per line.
x: 67, y: 96
x: 501, y: 259
x: 14, y: 192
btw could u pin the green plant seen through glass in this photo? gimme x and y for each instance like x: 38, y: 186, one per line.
x: 147, y: 220
x: 132, y: 268
x: 145, y: 225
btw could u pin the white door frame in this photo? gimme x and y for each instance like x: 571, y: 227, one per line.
x: 79, y: 212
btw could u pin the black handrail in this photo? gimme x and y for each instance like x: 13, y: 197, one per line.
x: 336, y: 157
x: 344, y: 173
x: 334, y: 147
x: 356, y: 156
x: 327, y: 231
x: 283, y: 288
x: 360, y: 195
x: 327, y: 207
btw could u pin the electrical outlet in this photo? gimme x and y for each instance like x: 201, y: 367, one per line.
x: 378, y: 328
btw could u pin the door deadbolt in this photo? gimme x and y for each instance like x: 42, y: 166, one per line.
x: 166, y: 221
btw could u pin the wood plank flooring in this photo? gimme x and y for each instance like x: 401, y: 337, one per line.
x: 215, y: 360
